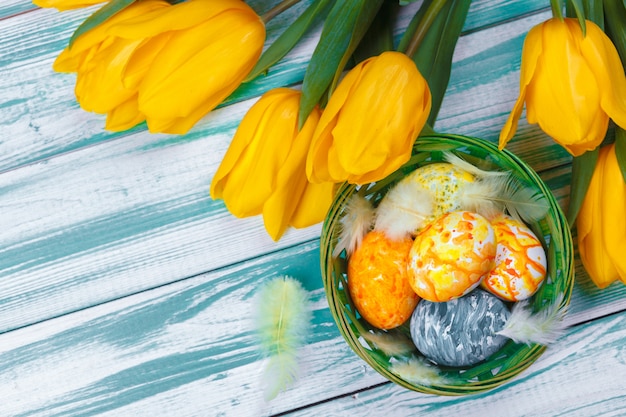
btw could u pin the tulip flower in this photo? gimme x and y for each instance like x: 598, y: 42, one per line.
x: 167, y: 64
x: 571, y: 84
x: 371, y: 121
x: 62, y: 5
x: 263, y: 171
x: 601, y: 222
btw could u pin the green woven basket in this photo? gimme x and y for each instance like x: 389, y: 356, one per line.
x: 512, y: 358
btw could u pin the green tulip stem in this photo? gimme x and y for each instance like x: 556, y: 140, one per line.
x: 557, y: 8
x: 278, y: 9
x: 422, y: 29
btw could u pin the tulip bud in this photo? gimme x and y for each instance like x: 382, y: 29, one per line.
x: 167, y: 64
x: 371, y: 121
x: 601, y: 222
x: 571, y: 84
x: 263, y: 171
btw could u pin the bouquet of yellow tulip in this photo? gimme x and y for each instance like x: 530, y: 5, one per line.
x: 364, y: 99
x: 573, y: 83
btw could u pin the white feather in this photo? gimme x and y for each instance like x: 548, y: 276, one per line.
x: 490, y: 196
x: 283, y: 321
x: 403, y: 210
x: 475, y: 171
x: 482, y: 196
x: 417, y: 371
x: 543, y: 327
x: 392, y: 343
x: 354, y: 225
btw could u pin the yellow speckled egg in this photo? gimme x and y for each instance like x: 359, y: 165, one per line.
x: 521, y: 262
x: 378, y: 281
x: 445, y: 181
x: 451, y: 256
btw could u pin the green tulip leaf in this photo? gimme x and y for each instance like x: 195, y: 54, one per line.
x: 345, y: 26
x: 100, y: 16
x: 578, y: 12
x: 433, y: 56
x: 615, y: 16
x: 379, y: 36
x: 582, y: 171
x: 620, y: 149
x: 557, y: 8
x: 290, y: 37
x: 594, y: 11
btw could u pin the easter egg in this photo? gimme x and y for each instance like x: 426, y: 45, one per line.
x: 378, y: 283
x: 520, y: 261
x: 461, y: 332
x: 445, y: 181
x: 451, y: 255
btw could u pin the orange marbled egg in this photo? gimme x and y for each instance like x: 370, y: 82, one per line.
x: 378, y: 281
x: 520, y: 261
x: 451, y: 256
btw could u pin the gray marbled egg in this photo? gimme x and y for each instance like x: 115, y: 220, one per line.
x: 461, y: 332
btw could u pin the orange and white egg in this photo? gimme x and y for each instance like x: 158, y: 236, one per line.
x: 378, y: 282
x: 451, y: 255
x: 521, y: 263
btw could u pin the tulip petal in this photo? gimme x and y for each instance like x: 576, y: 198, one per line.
x: 531, y: 51
x: 180, y: 16
x: 601, y: 55
x: 388, y: 135
x: 247, y: 176
x: 124, y: 116
x: 142, y: 59
x: 564, y: 98
x: 313, y: 205
x: 589, y: 225
x: 252, y: 123
x: 178, y: 82
x: 360, y: 138
x: 99, y: 88
x: 63, y: 5
x: 613, y: 206
x: 97, y: 34
x: 322, y: 158
x: 291, y: 182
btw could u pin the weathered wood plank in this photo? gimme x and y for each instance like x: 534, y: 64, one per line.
x: 189, y: 347
x: 107, y: 216
x: 581, y: 375
x: 10, y: 8
x: 39, y: 113
x: 108, y: 221
x: 121, y: 217
x: 41, y: 118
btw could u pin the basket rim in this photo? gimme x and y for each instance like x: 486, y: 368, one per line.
x: 522, y: 356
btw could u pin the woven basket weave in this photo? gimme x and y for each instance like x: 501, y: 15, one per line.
x: 552, y: 230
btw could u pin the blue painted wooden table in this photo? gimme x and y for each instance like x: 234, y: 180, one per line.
x: 125, y: 290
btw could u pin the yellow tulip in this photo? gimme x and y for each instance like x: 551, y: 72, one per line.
x: 571, y: 84
x: 62, y: 5
x: 100, y: 61
x: 263, y: 171
x: 167, y: 64
x: 371, y: 121
x: 601, y: 222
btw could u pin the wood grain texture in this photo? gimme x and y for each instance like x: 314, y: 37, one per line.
x: 10, y: 8
x: 126, y: 291
x: 581, y: 375
x: 126, y: 215
x: 188, y: 349
x: 41, y: 117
